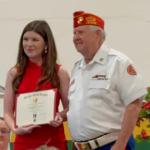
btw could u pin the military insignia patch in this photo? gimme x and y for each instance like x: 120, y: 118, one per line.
x: 131, y: 70
x: 80, y: 20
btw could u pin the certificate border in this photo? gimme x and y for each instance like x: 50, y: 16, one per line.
x: 54, y: 109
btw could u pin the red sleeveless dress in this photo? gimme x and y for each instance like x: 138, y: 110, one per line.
x: 46, y: 134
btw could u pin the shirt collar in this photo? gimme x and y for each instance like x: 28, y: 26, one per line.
x: 100, y: 57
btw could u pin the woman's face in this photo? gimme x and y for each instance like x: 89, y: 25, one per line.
x: 33, y: 45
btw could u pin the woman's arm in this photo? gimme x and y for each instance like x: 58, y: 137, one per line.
x: 64, y: 86
x: 9, y: 99
x: 9, y: 105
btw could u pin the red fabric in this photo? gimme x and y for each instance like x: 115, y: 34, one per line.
x: 45, y: 134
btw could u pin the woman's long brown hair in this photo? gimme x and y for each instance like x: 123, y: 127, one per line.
x: 48, y: 59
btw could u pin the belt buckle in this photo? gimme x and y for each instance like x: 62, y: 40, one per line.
x: 83, y: 146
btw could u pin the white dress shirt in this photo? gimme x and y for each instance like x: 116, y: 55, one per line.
x: 99, y: 92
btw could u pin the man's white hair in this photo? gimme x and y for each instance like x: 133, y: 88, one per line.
x: 94, y: 28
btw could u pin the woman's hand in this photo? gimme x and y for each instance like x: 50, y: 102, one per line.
x: 24, y: 129
x: 58, y: 120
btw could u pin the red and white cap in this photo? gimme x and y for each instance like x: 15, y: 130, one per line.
x: 83, y: 18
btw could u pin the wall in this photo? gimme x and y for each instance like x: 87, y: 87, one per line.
x: 127, y: 28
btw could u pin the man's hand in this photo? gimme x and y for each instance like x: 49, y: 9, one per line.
x: 58, y: 120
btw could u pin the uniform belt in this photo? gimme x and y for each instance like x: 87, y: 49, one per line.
x: 97, y: 142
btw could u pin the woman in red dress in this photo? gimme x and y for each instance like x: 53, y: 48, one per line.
x: 36, y: 70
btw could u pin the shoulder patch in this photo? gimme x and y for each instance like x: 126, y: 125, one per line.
x: 131, y: 70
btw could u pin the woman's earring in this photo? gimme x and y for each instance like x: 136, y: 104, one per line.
x: 45, y: 50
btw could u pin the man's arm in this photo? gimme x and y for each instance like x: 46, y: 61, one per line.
x: 129, y: 120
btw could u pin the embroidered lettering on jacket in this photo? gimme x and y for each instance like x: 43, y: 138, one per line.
x: 100, y: 77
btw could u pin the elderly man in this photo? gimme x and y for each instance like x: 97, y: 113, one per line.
x: 105, y: 90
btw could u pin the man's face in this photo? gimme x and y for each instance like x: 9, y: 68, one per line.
x: 84, y: 38
x: 4, y: 135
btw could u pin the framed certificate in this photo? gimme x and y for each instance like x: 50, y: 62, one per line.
x: 35, y: 108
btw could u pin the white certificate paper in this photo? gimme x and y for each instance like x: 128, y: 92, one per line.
x: 35, y: 108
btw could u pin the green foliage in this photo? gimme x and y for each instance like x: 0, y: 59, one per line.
x: 147, y: 97
x: 144, y: 114
x: 145, y: 111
